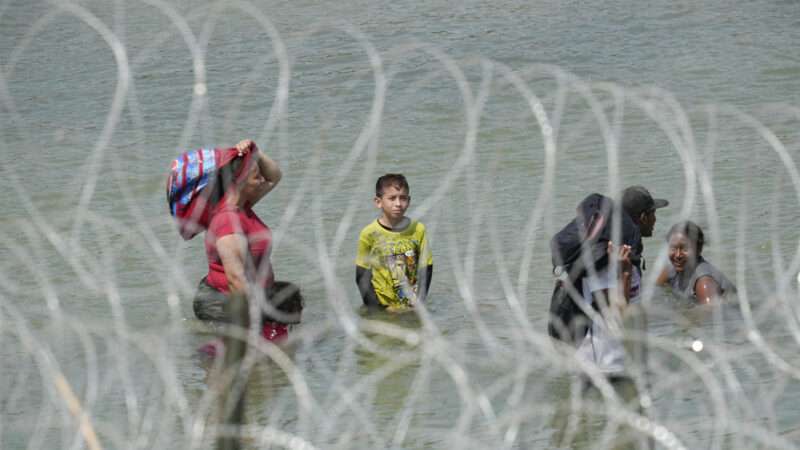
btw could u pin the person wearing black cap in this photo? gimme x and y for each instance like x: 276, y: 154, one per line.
x: 641, y: 207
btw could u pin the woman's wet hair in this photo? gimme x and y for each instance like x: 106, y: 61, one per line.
x: 225, y: 179
x: 692, y: 231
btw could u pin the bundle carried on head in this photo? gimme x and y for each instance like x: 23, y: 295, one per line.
x: 198, y: 180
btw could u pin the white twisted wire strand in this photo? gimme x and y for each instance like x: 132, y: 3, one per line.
x: 98, y: 342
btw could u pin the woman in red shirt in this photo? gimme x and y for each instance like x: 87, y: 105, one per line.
x: 238, y: 246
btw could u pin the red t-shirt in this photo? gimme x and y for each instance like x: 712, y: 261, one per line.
x: 233, y: 220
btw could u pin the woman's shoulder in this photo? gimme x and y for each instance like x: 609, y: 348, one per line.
x: 707, y: 269
x: 704, y: 269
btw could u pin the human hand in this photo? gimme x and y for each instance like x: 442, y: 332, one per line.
x: 246, y: 145
x: 622, y: 255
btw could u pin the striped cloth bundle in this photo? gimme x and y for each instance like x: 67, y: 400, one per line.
x: 190, y: 174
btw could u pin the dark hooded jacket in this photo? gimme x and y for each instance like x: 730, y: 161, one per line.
x: 589, y: 233
x: 581, y: 244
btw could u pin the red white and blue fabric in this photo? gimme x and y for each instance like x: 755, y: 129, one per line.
x: 189, y: 175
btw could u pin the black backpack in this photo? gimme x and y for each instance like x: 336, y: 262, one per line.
x: 568, y: 321
x: 582, y: 241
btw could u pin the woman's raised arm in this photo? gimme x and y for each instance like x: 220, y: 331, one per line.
x: 271, y: 173
x: 267, y: 166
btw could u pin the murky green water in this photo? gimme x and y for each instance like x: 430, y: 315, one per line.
x: 96, y: 283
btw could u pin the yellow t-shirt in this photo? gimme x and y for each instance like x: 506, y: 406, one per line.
x: 394, y: 258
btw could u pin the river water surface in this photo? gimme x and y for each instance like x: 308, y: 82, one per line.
x: 503, y: 115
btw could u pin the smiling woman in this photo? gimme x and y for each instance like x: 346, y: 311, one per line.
x: 689, y: 274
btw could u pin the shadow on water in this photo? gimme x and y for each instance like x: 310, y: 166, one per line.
x: 669, y: 345
x: 378, y: 380
x: 692, y: 358
x: 395, y: 385
x: 586, y: 418
x: 389, y: 362
x: 583, y: 421
x: 268, y: 398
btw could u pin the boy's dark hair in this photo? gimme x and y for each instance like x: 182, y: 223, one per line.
x: 391, y: 179
x: 692, y: 231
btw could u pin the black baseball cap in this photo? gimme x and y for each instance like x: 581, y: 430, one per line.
x: 637, y: 199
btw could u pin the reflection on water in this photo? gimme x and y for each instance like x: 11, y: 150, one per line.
x: 588, y: 420
x: 391, y: 368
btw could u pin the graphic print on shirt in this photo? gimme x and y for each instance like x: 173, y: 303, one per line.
x: 394, y: 258
x: 400, y: 258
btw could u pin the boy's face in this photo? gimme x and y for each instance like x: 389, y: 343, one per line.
x: 394, y: 202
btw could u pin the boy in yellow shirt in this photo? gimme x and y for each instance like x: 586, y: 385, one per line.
x: 394, y: 266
